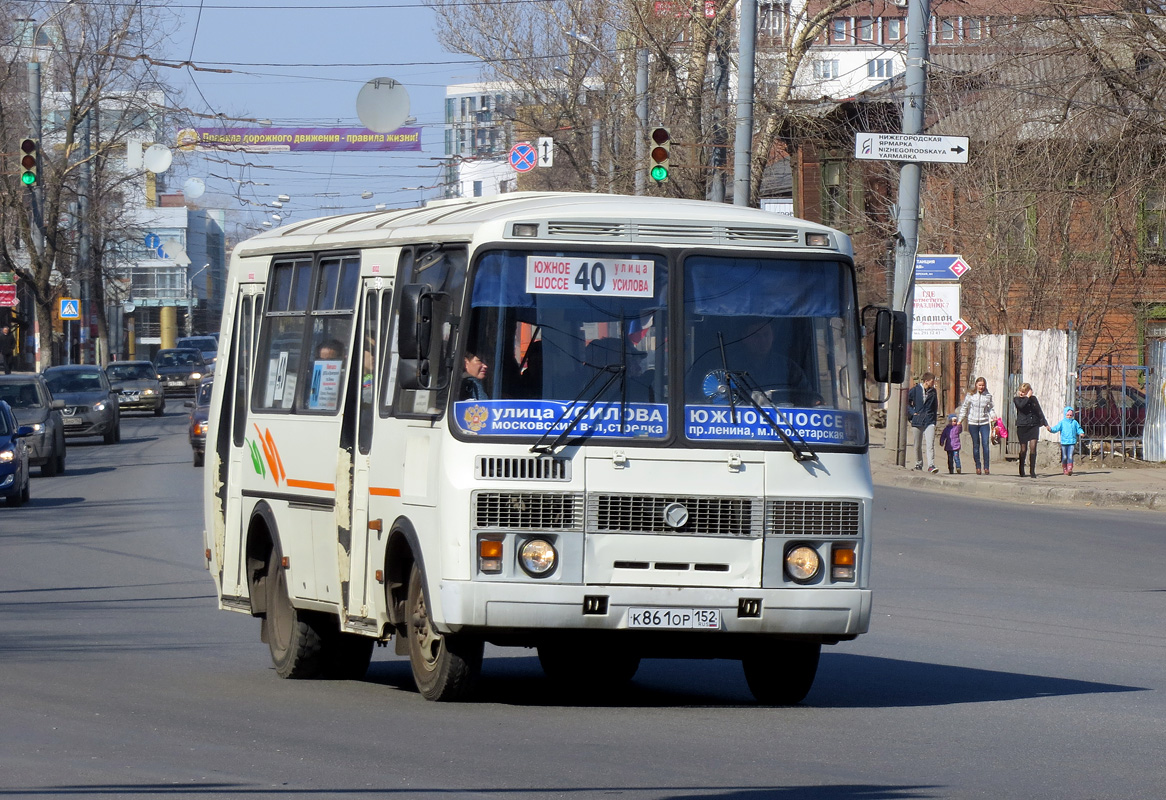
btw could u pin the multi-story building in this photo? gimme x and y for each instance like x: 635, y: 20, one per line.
x: 478, y: 135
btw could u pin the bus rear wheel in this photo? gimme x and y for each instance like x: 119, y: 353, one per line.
x: 781, y: 674
x: 293, y: 636
x: 445, y: 666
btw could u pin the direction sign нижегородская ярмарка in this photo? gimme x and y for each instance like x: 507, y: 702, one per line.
x: 911, y: 147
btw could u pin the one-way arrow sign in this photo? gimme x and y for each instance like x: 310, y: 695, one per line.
x: 911, y: 147
x: 546, y: 151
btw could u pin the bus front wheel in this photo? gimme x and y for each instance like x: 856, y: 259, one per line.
x: 782, y: 674
x: 296, y: 643
x: 445, y: 666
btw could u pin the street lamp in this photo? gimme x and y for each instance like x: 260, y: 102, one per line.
x: 190, y: 299
x: 420, y: 197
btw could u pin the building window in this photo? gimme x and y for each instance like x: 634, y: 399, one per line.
x: 450, y: 109
x: 838, y: 30
x: 1154, y: 219
x: 866, y: 29
x: 771, y: 17
x: 477, y: 188
x: 947, y: 30
x: 879, y: 68
x: 894, y: 30
x: 833, y: 193
x: 826, y: 70
x: 972, y: 29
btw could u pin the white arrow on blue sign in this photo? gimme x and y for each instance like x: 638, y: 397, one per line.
x: 940, y: 267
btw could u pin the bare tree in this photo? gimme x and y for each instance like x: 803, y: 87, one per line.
x: 95, y: 93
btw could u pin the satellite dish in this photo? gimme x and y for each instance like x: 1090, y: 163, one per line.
x: 382, y: 105
x: 128, y: 308
x: 194, y: 188
x: 173, y: 249
x: 157, y: 158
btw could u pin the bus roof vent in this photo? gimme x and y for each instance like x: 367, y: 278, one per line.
x: 588, y: 230
x: 762, y: 235
x: 522, y: 468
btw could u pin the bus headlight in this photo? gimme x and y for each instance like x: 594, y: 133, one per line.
x: 802, y: 563
x: 537, y: 557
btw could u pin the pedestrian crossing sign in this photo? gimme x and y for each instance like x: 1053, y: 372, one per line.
x: 70, y: 308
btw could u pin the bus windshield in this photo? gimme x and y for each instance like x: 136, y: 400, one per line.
x: 560, y: 341
x: 777, y: 335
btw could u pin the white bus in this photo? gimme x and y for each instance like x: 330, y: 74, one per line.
x: 604, y: 427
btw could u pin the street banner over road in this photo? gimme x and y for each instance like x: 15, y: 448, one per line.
x: 911, y: 147
x: 287, y: 140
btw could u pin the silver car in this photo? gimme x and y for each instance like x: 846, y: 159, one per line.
x: 29, y: 397
x: 90, y: 402
x: 137, y: 385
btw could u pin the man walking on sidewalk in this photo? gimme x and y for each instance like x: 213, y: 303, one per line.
x: 922, y: 408
x: 7, y: 348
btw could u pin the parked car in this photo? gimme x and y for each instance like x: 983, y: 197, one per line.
x: 137, y: 385
x: 208, y: 346
x: 180, y: 368
x: 15, y: 486
x: 90, y: 402
x: 200, y: 408
x: 1111, y: 412
x: 28, y: 395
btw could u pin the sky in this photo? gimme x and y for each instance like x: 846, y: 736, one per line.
x: 301, y: 63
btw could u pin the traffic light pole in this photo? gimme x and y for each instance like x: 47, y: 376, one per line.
x: 34, y: 122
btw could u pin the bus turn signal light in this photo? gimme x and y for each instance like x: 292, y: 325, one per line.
x: 490, y: 555
x: 842, y: 564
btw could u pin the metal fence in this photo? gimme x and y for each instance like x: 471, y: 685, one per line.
x: 1110, y: 404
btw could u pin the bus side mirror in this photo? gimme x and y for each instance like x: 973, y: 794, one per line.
x: 890, y: 346
x: 416, y: 322
x: 890, y: 353
x: 415, y: 373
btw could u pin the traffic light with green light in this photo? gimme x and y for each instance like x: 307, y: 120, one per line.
x: 661, y: 150
x: 28, y: 162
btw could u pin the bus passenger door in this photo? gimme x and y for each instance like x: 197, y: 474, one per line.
x: 231, y: 443
x: 360, y: 602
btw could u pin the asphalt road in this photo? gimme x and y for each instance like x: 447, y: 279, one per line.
x: 1015, y: 652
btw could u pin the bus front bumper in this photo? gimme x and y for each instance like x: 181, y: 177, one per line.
x: 804, y: 611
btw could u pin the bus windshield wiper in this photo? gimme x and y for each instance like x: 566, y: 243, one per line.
x: 741, y: 382
x: 614, y: 372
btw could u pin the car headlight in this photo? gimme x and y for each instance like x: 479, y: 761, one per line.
x: 194, y: 376
x: 38, y: 427
x: 99, y: 406
x: 147, y: 392
x: 802, y: 563
x: 6, y: 456
x: 537, y: 557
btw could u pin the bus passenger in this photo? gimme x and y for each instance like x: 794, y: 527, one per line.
x: 473, y: 385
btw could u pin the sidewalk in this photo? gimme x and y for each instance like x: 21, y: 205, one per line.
x: 1111, y: 483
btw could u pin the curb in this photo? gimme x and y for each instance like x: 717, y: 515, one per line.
x: 1036, y: 492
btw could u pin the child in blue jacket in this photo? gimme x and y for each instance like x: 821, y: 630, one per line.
x: 1069, y: 429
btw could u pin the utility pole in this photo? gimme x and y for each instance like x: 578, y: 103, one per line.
x: 719, y: 155
x: 743, y: 142
x: 641, y: 118
x: 907, y: 238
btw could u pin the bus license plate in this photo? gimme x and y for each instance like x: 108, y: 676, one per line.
x: 709, y: 618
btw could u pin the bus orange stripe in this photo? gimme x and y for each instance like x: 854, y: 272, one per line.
x: 381, y: 491
x: 323, y: 487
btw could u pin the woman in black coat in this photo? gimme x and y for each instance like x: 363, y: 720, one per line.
x: 1029, y: 420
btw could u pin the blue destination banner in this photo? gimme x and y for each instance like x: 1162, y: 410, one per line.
x: 814, y: 425
x: 536, y: 417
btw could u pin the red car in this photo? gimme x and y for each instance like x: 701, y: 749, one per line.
x: 1111, y: 412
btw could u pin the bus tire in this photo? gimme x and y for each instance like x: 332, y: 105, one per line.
x: 782, y: 674
x: 293, y: 636
x: 445, y: 666
x: 586, y: 670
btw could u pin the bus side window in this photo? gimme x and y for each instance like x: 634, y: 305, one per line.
x: 278, y: 364
x: 243, y: 343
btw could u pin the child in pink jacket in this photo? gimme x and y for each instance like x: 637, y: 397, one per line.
x: 949, y: 437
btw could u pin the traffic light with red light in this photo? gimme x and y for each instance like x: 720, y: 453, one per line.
x: 29, y: 155
x: 661, y: 151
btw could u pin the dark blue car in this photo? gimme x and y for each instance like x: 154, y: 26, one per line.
x: 14, y: 478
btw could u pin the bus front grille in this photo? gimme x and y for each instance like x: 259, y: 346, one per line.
x: 701, y: 516
x: 813, y: 518
x: 522, y: 468
x: 526, y: 511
